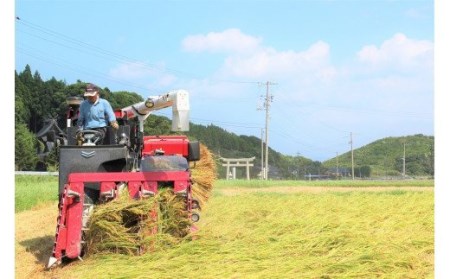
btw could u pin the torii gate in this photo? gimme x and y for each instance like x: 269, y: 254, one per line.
x: 241, y: 162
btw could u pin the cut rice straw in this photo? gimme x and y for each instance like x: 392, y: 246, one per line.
x: 133, y: 227
x: 204, y: 174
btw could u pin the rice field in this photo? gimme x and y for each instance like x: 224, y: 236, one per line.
x: 270, y: 232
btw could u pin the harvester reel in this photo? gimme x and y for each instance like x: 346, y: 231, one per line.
x: 89, y: 137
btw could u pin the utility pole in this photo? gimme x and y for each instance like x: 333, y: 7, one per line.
x: 351, y: 147
x: 267, y: 101
x: 262, y: 154
x: 404, y: 159
x: 337, y: 165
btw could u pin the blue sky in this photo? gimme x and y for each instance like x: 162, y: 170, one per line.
x: 337, y: 67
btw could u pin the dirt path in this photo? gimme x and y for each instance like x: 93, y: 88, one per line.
x: 309, y: 189
x: 34, y: 237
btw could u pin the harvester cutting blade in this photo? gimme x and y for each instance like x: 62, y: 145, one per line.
x: 51, y: 261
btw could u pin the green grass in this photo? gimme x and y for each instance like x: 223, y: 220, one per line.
x: 32, y: 191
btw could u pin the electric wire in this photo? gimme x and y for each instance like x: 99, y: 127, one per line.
x: 65, y: 41
x: 106, y: 54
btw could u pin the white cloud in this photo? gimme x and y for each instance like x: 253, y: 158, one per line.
x: 398, y: 52
x: 312, y: 63
x: 142, y: 72
x: 397, y: 68
x: 389, y: 86
x: 230, y: 40
x: 419, y: 13
x: 131, y: 70
x: 247, y: 58
x: 166, y: 80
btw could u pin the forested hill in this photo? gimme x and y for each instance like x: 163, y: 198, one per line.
x: 37, y: 100
x: 384, y: 157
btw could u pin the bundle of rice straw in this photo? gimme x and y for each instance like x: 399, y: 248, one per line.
x: 204, y: 174
x: 133, y: 227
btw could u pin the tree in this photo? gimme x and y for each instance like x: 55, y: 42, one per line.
x: 363, y: 171
x: 22, y: 99
x: 157, y: 125
x: 21, y: 113
x: 123, y: 99
x: 25, y: 148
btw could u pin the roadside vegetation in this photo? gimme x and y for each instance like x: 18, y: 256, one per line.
x: 34, y: 191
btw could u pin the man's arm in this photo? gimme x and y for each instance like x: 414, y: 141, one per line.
x: 111, y: 116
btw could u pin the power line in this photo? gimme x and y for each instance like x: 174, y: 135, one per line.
x: 94, y: 48
x: 211, y: 121
x: 106, y: 54
x: 77, y: 69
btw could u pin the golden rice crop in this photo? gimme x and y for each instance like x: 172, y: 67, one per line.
x: 279, y: 234
x: 305, y: 235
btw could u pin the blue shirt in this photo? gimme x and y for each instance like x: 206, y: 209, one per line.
x: 96, y: 115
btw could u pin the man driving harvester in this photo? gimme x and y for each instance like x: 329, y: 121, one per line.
x: 96, y: 113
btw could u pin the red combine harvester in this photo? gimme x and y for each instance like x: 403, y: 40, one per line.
x: 91, y: 174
